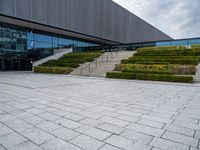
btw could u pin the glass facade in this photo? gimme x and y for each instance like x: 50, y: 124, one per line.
x: 12, y: 40
x: 185, y: 42
x: 19, y: 39
x: 20, y: 46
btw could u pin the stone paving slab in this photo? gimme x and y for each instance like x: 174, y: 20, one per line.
x: 41, y: 111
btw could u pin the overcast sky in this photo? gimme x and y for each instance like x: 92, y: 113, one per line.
x: 177, y: 18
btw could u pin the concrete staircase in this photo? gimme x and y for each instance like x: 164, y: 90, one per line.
x: 57, y: 53
x: 102, y: 64
x: 197, y: 75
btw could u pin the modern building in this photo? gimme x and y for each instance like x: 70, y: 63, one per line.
x: 31, y: 29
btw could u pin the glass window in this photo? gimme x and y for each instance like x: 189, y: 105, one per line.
x: 30, y: 36
x: 148, y: 44
x: 194, y: 41
x: 41, y: 45
x: 30, y: 45
x: 177, y: 43
x: 66, y: 42
x: 55, y: 39
x: 163, y: 43
x: 55, y: 42
x: 43, y: 38
x: 83, y: 44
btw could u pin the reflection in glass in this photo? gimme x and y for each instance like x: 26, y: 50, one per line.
x: 65, y: 42
x: 19, y: 39
x: 163, y: 43
x: 194, y: 41
x: 43, y: 38
x: 179, y: 43
x: 41, y: 45
x: 83, y: 44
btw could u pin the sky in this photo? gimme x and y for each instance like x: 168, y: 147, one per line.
x: 177, y: 18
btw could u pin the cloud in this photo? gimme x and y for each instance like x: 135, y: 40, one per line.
x: 177, y: 18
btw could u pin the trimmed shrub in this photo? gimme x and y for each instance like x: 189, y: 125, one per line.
x: 58, y: 64
x: 120, y: 75
x: 183, y: 69
x: 144, y: 58
x: 54, y: 70
x: 133, y: 67
x: 161, y: 77
x: 118, y: 67
x: 187, y: 52
x: 82, y: 55
x: 152, y: 72
x: 162, y: 61
x: 68, y: 60
x: 161, y: 48
x: 195, y: 46
x: 152, y: 77
x: 151, y: 63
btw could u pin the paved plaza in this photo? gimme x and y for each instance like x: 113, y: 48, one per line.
x: 59, y: 112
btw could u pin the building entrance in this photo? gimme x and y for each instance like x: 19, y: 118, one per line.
x: 15, y: 64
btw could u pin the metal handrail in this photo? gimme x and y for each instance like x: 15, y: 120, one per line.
x: 96, y: 64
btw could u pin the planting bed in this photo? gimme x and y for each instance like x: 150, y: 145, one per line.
x: 175, y: 64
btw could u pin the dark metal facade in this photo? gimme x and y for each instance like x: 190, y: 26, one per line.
x: 101, y: 19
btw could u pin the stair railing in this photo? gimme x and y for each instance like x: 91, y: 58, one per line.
x: 86, y: 70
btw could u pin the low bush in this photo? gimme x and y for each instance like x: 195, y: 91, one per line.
x: 161, y: 61
x: 143, y: 58
x: 195, y: 46
x: 152, y: 72
x: 151, y: 63
x: 118, y: 67
x: 58, y: 64
x: 133, y: 67
x: 186, y: 52
x: 54, y: 70
x: 161, y: 48
x: 183, y: 69
x: 74, y: 60
x: 152, y: 77
x: 161, y: 77
x: 120, y: 75
x: 83, y: 55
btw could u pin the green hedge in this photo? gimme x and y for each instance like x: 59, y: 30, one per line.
x: 68, y: 60
x: 161, y: 48
x: 183, y: 69
x: 161, y: 60
x: 152, y: 77
x: 151, y: 67
x: 82, y: 55
x: 163, y: 57
x: 160, y: 77
x: 152, y: 72
x: 120, y: 75
x: 58, y: 64
x: 195, y: 46
x: 174, y: 68
x: 53, y: 70
x: 187, y: 52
